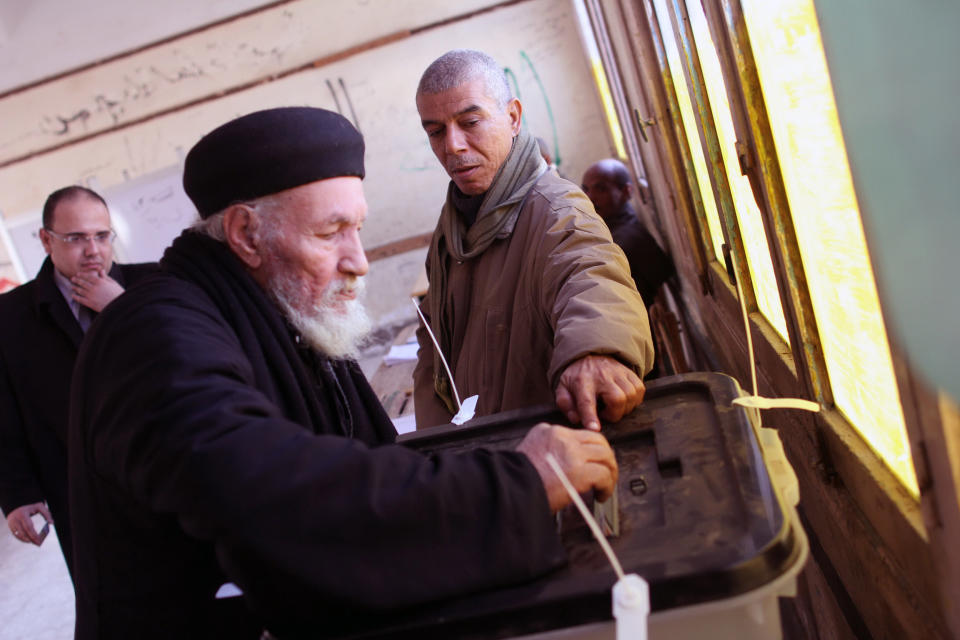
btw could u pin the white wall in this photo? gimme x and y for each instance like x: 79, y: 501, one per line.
x: 42, y: 38
x: 126, y: 123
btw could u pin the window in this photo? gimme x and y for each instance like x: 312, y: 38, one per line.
x: 690, y: 125
x: 795, y: 82
x: 749, y: 220
x: 600, y: 77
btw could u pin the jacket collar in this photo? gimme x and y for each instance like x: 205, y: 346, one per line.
x: 48, y: 300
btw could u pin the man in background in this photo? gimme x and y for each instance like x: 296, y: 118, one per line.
x: 529, y: 298
x: 41, y: 326
x: 547, y: 156
x: 222, y: 432
x: 545, y: 152
x: 608, y: 185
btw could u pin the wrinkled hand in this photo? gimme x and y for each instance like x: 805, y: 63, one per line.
x: 585, y: 457
x: 95, y: 289
x: 590, y: 377
x: 22, y: 527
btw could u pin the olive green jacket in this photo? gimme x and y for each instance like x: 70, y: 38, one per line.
x: 556, y: 290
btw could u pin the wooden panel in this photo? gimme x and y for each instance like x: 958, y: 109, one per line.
x: 403, y: 245
x: 643, y: 153
x: 662, y: 158
x: 935, y: 423
x: 879, y: 556
x: 834, y: 449
x: 818, y: 610
x: 870, y: 528
x: 390, y: 283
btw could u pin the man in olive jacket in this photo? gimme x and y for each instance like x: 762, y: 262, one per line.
x: 530, y: 299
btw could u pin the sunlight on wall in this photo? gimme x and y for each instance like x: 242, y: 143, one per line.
x: 793, y: 74
x: 614, y: 122
x: 600, y: 78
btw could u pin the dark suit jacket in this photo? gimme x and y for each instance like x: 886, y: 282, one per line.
x: 649, y: 265
x: 39, y: 339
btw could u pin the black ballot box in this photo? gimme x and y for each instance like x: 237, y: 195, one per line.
x: 706, y: 515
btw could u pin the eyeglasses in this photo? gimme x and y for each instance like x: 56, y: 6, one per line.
x: 75, y: 239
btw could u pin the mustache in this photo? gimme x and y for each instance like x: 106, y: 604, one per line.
x: 355, y: 285
x: 461, y: 162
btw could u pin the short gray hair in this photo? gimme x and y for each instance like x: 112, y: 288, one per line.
x: 268, y: 207
x: 211, y: 226
x: 456, y: 67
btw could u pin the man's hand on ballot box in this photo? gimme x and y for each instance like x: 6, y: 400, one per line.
x: 585, y: 457
x: 592, y: 377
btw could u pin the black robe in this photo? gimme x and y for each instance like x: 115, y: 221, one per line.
x: 206, y: 446
x: 649, y: 265
x: 39, y: 339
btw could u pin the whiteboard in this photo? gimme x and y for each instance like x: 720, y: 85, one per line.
x: 11, y: 272
x: 26, y: 249
x: 148, y: 213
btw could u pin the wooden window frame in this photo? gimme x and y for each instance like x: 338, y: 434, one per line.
x: 657, y: 160
x: 890, y: 574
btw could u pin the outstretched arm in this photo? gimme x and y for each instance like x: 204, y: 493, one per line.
x: 602, y: 341
x: 593, y: 377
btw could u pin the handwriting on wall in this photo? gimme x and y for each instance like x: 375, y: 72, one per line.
x: 142, y: 83
x: 201, y: 65
x: 373, y: 88
x: 351, y: 113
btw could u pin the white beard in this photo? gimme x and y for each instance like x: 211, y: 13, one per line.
x: 334, y: 332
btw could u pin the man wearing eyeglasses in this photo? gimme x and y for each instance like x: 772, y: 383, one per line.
x: 42, y: 324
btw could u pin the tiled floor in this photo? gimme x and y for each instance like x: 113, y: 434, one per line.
x: 36, y: 597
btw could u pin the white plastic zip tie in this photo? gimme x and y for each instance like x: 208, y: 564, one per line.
x: 756, y: 401
x: 466, y: 410
x: 631, y: 593
x: 759, y: 402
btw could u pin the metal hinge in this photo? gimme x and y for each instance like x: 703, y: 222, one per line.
x: 642, y: 123
x: 744, y: 157
x: 921, y: 468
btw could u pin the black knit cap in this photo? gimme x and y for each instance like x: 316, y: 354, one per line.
x: 266, y: 152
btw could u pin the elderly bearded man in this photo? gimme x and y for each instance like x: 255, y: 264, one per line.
x: 221, y: 433
x: 530, y: 299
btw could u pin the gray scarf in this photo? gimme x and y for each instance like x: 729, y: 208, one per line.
x: 495, y: 221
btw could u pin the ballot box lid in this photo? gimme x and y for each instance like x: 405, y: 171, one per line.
x: 700, y: 519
